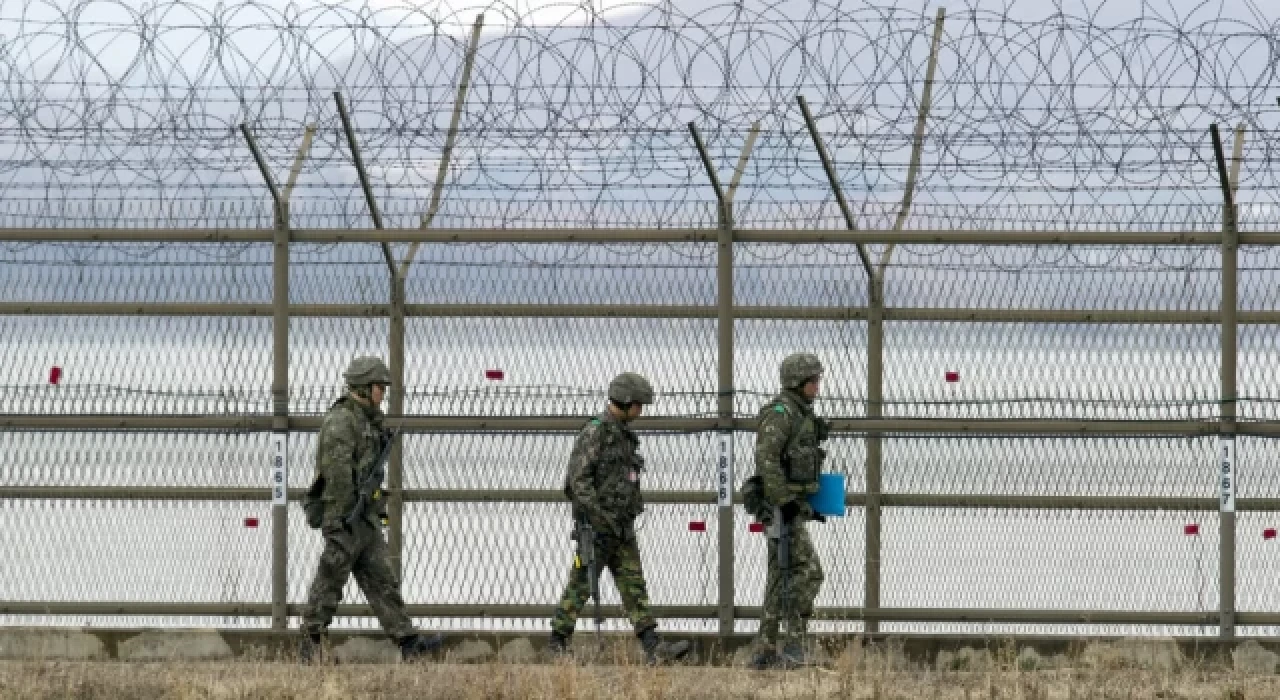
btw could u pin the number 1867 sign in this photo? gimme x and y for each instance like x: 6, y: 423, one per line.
x: 1227, y: 474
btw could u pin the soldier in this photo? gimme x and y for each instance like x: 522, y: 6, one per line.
x: 350, y: 440
x: 788, y: 461
x: 603, y: 484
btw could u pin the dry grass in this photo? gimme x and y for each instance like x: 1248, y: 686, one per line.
x: 851, y: 678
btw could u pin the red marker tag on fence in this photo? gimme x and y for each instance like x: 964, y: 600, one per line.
x: 953, y: 377
x: 697, y: 526
x: 250, y: 522
x: 55, y: 375
x: 1192, y: 529
x: 1269, y: 533
x: 756, y: 527
x: 494, y: 375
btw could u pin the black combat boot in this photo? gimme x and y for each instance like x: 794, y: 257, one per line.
x: 310, y: 648
x: 416, y: 646
x: 797, y: 653
x: 657, y: 651
x: 558, y: 646
x: 766, y: 659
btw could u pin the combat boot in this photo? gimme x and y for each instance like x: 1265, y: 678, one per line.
x: 416, y: 646
x: 797, y: 653
x: 657, y: 651
x: 765, y: 659
x: 310, y: 648
x: 558, y: 646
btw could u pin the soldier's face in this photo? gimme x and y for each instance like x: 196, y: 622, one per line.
x: 811, y: 388
x: 378, y: 392
x: 635, y: 411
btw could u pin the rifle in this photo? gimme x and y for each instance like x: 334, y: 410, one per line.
x: 370, y: 488
x: 784, y: 569
x: 586, y: 556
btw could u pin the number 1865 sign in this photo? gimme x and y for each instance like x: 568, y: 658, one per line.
x: 279, y: 479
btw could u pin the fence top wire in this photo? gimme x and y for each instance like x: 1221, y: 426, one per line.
x: 1043, y: 115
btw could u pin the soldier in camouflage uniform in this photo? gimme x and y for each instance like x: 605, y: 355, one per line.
x: 603, y: 484
x: 349, y: 443
x: 788, y: 461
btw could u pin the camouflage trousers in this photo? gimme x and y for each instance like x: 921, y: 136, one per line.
x: 804, y: 580
x: 358, y: 549
x: 622, y: 558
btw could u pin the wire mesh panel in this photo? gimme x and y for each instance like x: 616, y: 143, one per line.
x: 136, y: 459
x: 760, y: 347
x: 1054, y: 277
x: 448, y: 361
x: 319, y: 351
x: 142, y: 551
x: 1046, y: 560
x: 1051, y: 466
x: 171, y: 272
x: 149, y: 365
x: 680, y: 462
x: 563, y: 273
x: 1032, y: 370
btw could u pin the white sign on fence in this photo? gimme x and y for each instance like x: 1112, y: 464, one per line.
x: 724, y: 471
x: 1227, y: 474
x: 279, y: 474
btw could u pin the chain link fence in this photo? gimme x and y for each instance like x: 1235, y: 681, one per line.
x: 1045, y: 296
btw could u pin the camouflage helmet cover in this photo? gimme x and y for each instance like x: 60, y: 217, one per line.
x: 798, y: 369
x: 367, y: 370
x: 630, y: 387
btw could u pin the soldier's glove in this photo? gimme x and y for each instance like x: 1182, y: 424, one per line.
x: 333, y: 526
x: 819, y: 517
x: 790, y: 510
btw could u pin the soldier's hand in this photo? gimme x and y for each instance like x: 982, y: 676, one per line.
x: 790, y: 510
x: 818, y: 517
x: 333, y: 526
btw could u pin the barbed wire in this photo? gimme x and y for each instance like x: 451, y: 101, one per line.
x: 113, y: 114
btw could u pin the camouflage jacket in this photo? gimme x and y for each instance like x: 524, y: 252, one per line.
x: 349, y: 442
x: 789, y: 467
x: 603, y: 481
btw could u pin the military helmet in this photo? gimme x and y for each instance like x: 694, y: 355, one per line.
x: 798, y: 369
x: 367, y: 370
x: 630, y: 387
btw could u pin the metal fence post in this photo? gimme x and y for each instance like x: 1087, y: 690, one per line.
x: 875, y: 344
x: 395, y: 346
x: 875, y: 381
x: 875, y: 460
x: 279, y: 452
x: 395, y: 471
x: 725, y: 391
x: 1227, y: 463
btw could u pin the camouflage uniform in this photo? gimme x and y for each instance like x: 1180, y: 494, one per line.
x: 603, y: 486
x: 788, y: 461
x: 351, y: 438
